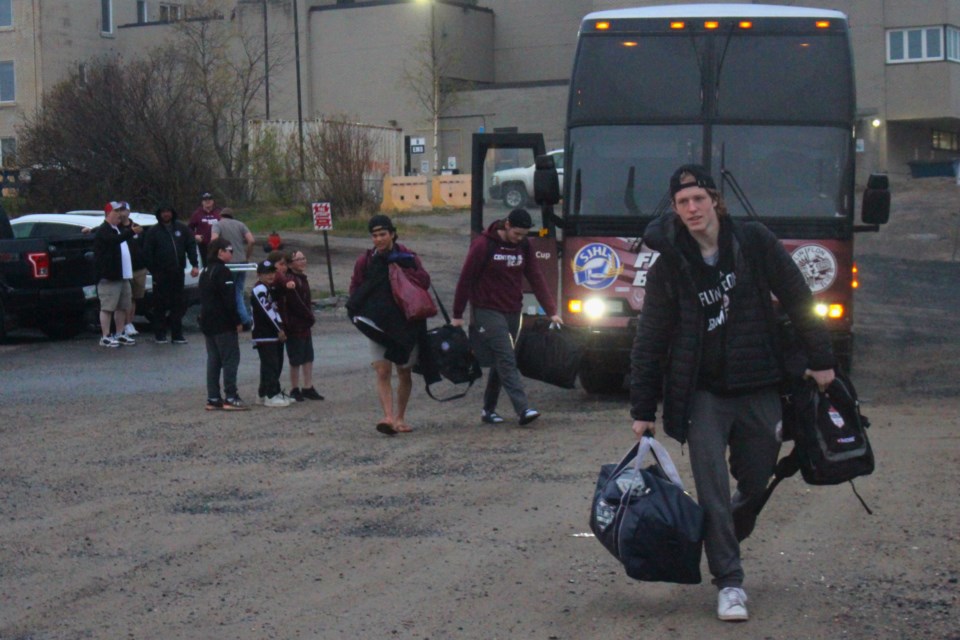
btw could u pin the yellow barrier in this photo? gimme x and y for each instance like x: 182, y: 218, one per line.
x: 403, y: 193
x: 451, y: 191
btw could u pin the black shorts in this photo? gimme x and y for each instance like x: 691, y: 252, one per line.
x: 299, y: 350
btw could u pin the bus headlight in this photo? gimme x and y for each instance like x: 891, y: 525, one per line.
x: 832, y: 311
x: 595, y: 308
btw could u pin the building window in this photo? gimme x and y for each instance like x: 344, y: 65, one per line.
x: 953, y: 44
x: 946, y: 140
x: 915, y: 45
x: 8, y: 86
x: 106, y: 16
x: 8, y: 152
x: 141, y: 11
x: 6, y: 13
x: 170, y: 12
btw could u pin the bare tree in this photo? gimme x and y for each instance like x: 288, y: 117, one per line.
x: 226, y: 76
x: 428, y: 78
x: 124, y: 131
x: 338, y: 157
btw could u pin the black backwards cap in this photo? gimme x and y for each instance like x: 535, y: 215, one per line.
x: 380, y: 222
x: 520, y: 218
x: 698, y: 177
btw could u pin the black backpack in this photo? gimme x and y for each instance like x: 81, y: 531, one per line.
x: 830, y: 432
x: 831, y: 444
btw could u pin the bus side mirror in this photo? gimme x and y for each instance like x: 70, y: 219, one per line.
x: 546, y: 184
x: 876, y: 200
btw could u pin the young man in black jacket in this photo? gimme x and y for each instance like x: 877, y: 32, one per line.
x: 707, y: 340
x: 167, y: 246
x: 220, y: 323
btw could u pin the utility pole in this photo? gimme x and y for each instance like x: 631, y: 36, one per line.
x: 266, y: 63
x: 296, y: 47
x: 436, y: 88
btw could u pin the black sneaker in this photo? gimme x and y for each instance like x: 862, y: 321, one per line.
x: 529, y: 416
x: 311, y: 394
x: 161, y: 339
x: 296, y: 394
x: 214, y: 404
x: 491, y: 417
x: 235, y: 404
x: 179, y: 340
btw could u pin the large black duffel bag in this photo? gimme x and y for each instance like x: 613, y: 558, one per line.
x: 545, y: 353
x: 645, y: 518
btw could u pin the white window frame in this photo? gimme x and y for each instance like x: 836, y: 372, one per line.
x: 2, y: 140
x: 143, y: 12
x: 106, y: 10
x: 13, y: 88
x: 903, y: 35
x: 8, y: 3
x: 173, y: 11
x: 953, y: 43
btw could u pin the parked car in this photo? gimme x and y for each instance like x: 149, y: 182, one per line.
x: 64, y: 300
x: 515, y: 186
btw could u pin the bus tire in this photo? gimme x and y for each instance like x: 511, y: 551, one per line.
x: 595, y: 379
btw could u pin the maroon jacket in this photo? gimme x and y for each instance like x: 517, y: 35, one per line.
x: 492, y: 276
x: 297, y: 310
x: 201, y: 223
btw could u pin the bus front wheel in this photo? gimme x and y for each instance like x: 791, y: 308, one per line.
x: 596, y: 379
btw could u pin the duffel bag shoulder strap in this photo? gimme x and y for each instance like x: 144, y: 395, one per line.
x: 455, y: 396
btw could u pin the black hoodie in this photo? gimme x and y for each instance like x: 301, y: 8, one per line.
x: 668, y: 351
x: 167, y: 247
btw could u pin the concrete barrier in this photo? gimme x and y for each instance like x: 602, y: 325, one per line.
x: 404, y: 193
x: 451, y: 191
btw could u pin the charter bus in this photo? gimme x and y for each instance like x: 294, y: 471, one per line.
x: 761, y: 95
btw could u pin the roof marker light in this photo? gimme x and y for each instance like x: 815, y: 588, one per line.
x: 711, y: 24
x: 823, y: 24
x: 746, y: 24
x: 629, y: 43
x: 678, y: 24
x: 602, y: 26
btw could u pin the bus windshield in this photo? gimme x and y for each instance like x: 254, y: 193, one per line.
x: 759, y: 78
x: 768, y: 109
x: 783, y: 171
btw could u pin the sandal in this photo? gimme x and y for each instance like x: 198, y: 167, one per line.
x: 386, y: 429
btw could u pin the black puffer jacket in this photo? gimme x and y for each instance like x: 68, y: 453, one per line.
x: 668, y: 346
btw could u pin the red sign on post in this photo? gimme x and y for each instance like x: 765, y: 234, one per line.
x: 322, y: 216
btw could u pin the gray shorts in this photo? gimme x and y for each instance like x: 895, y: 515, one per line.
x: 114, y: 295
x: 138, y: 286
x: 378, y: 352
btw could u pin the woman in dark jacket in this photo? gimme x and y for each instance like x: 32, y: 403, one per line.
x: 394, y: 340
x: 220, y: 323
x: 707, y: 340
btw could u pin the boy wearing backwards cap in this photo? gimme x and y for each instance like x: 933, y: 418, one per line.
x: 492, y: 282
x: 705, y: 341
x: 268, y: 337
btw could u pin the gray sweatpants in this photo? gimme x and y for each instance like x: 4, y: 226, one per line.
x: 748, y: 425
x: 223, y: 353
x: 499, y: 333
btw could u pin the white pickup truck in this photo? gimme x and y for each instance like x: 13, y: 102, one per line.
x: 515, y: 186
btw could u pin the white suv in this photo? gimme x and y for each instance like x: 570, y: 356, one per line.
x: 515, y: 186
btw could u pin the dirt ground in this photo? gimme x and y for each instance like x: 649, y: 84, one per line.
x: 126, y: 511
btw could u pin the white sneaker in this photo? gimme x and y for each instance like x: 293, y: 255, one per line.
x: 109, y: 341
x: 732, y: 604
x: 277, y: 401
x: 130, y: 330
x: 125, y: 340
